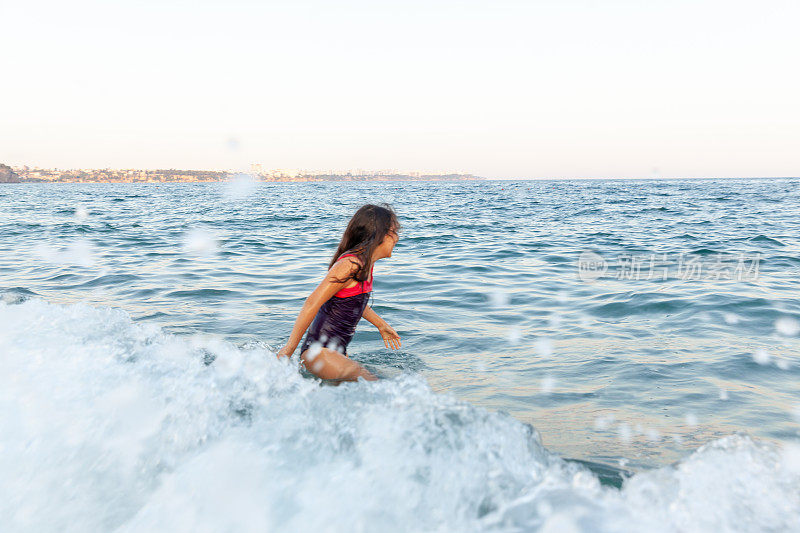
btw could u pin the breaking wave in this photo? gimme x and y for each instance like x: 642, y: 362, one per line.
x: 109, y: 425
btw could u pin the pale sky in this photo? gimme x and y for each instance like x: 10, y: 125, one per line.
x: 530, y: 89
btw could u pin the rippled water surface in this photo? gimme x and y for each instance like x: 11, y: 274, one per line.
x: 628, y: 368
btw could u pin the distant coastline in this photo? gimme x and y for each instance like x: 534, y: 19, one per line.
x: 45, y: 175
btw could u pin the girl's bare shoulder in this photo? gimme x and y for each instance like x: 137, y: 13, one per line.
x: 352, y: 260
x: 346, y: 266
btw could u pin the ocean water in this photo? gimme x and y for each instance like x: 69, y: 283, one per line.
x: 577, y: 355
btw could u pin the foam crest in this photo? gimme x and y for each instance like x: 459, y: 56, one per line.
x: 112, y: 425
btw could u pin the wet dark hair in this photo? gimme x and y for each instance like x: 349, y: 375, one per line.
x: 365, y: 232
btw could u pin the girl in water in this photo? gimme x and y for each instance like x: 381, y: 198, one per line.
x: 340, y: 300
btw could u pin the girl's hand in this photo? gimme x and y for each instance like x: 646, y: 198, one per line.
x: 390, y: 337
x: 285, y: 352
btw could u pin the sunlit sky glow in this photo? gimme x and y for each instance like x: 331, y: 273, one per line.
x: 497, y: 88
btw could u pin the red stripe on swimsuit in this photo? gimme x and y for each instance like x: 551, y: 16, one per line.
x: 364, y: 286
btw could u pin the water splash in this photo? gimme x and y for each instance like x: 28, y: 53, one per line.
x: 108, y: 424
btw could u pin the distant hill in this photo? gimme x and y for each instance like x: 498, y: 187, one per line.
x: 7, y: 175
x: 108, y: 175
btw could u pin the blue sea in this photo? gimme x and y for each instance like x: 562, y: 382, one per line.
x: 616, y: 355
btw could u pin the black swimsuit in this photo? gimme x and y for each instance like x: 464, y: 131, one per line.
x: 336, y: 320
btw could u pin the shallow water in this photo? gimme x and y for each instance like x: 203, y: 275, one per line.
x: 156, y: 394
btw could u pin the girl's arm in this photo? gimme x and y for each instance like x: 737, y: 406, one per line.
x: 373, y: 317
x: 390, y: 337
x: 341, y: 270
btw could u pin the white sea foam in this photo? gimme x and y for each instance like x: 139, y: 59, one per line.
x: 112, y: 425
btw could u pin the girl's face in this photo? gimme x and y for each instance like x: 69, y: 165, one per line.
x: 388, y: 243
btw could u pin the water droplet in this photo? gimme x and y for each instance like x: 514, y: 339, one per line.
x: 787, y: 326
x: 723, y: 394
x: 240, y: 186
x: 653, y: 435
x: 731, y: 318
x: 81, y: 213
x: 547, y: 385
x: 79, y: 253
x: 233, y: 144
x: 544, y: 347
x: 691, y: 419
x: 761, y: 356
x: 514, y: 335
x: 601, y: 423
x: 479, y: 366
x: 313, y: 351
x: 333, y: 346
x: 200, y: 242
x: 624, y: 433
x: 75, y: 253
x: 498, y: 298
